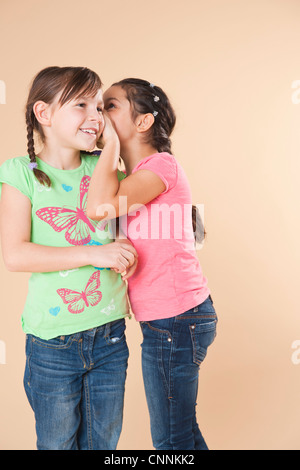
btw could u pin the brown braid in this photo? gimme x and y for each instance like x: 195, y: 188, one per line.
x: 198, y: 227
x: 39, y: 174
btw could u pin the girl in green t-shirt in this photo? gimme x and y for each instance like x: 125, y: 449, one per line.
x: 74, y: 316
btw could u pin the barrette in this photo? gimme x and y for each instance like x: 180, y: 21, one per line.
x: 156, y: 98
x: 151, y: 85
x: 32, y: 165
x: 155, y: 113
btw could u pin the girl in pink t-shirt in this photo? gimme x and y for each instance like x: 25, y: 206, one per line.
x: 168, y: 293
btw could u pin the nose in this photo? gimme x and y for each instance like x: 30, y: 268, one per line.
x: 94, y: 115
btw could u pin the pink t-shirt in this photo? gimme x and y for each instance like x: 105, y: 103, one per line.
x: 168, y: 280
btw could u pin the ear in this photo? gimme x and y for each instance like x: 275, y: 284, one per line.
x: 42, y: 113
x: 144, y: 122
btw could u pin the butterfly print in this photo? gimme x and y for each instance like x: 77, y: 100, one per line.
x: 107, y: 310
x: 73, y: 220
x: 77, y: 301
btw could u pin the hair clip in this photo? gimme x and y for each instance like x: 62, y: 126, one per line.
x: 151, y: 85
x: 32, y: 165
x: 156, y: 98
x: 155, y: 113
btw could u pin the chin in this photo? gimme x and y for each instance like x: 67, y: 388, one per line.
x: 89, y: 149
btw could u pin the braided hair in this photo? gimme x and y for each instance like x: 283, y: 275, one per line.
x: 71, y: 82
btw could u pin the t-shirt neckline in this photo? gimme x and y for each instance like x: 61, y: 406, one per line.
x: 53, y: 168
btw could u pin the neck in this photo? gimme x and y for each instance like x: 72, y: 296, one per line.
x: 61, y: 158
x: 134, y: 153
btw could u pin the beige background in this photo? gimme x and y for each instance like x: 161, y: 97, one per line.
x: 229, y: 67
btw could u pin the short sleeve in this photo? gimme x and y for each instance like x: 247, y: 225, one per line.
x: 16, y: 173
x: 163, y: 165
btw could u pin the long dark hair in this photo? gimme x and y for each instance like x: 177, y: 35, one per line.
x: 147, y: 98
x: 71, y: 82
x: 144, y: 98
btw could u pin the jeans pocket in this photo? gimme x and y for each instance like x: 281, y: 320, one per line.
x: 116, y: 332
x: 202, y: 335
x: 59, y: 342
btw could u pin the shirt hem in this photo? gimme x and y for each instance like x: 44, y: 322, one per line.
x: 71, y: 331
x: 173, y: 312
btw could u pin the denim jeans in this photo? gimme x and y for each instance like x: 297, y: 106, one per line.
x: 172, y: 352
x: 75, y: 385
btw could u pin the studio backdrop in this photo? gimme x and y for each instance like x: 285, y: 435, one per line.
x: 232, y: 71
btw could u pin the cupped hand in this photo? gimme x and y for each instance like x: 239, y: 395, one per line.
x: 109, y: 133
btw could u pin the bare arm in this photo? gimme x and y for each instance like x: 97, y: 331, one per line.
x: 122, y: 237
x: 20, y: 254
x: 110, y: 198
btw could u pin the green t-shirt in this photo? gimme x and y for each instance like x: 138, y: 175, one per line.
x: 66, y: 302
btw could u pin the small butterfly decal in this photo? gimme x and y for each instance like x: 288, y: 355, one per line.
x: 110, y: 307
x: 66, y: 272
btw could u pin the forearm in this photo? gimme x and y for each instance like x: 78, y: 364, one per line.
x: 104, y: 185
x: 30, y: 257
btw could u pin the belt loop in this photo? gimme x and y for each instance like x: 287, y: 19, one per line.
x: 107, y: 330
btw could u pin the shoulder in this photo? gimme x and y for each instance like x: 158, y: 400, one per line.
x: 19, y: 163
x: 156, y: 159
x: 164, y: 165
x: 16, y: 167
x: 15, y: 172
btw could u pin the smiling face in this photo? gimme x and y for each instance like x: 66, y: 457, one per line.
x: 78, y: 123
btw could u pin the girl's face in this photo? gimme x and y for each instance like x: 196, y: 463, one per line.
x: 79, y: 123
x: 119, y: 110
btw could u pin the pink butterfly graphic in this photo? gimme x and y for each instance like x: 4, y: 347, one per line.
x: 73, y: 220
x: 77, y: 301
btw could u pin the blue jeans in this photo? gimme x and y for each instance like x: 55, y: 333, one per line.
x: 172, y: 352
x: 75, y: 385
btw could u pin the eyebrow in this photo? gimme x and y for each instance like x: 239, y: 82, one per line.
x: 112, y: 98
x: 86, y: 97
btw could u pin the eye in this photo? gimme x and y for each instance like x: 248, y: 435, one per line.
x: 100, y: 110
x: 109, y: 106
x: 81, y: 105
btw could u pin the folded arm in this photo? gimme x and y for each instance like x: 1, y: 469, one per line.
x: 21, y: 255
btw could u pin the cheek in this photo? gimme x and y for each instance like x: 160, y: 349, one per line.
x: 124, y: 127
x: 65, y: 124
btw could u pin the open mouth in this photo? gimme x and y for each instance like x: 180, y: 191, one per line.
x: 92, y: 132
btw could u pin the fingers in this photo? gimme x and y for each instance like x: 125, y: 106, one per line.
x: 127, y: 246
x: 127, y: 263
x: 107, y: 131
x: 129, y: 272
x: 128, y: 255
